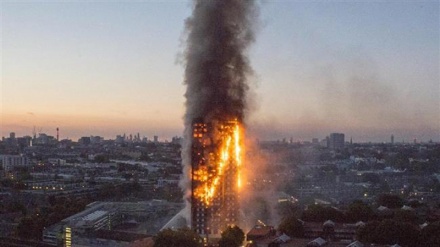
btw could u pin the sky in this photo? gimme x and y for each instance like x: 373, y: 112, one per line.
x: 368, y: 69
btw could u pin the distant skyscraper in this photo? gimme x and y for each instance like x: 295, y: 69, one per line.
x: 120, y: 139
x: 11, y: 140
x: 336, y: 141
x: 84, y: 140
x: 392, y: 139
x: 156, y: 139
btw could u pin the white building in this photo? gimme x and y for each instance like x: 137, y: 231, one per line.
x: 11, y: 161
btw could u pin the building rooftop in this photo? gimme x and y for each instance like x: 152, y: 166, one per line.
x: 259, y: 231
x: 95, y: 215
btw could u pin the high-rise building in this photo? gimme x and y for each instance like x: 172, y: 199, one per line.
x: 215, y: 176
x: 392, y: 139
x: 120, y: 139
x: 336, y: 141
x: 85, y: 140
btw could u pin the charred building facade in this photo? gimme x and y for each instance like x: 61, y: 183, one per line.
x: 215, y: 177
x: 219, y: 33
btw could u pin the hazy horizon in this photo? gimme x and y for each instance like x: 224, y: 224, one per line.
x: 366, y: 69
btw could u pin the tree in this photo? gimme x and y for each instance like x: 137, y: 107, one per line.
x: 31, y: 227
x: 318, y: 213
x: 363, y: 166
x: 52, y: 200
x: 107, y: 190
x: 390, y: 201
x: 367, y: 233
x: 7, y: 182
x: 127, y: 176
x: 287, y: 209
x: 430, y: 235
x: 405, y: 216
x: 389, y: 232
x: 144, y: 157
x: 358, y: 211
x: 231, y: 237
x: 101, y: 158
x: 371, y: 177
x: 181, y: 238
x: 292, y: 227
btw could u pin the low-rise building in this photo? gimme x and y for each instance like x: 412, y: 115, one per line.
x: 9, y: 162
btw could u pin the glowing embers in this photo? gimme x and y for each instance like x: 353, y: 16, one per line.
x: 217, y: 169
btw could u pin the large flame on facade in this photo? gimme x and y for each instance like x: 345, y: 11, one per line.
x: 219, y: 33
x: 215, y: 176
x: 208, y: 176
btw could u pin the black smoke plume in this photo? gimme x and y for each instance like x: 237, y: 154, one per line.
x: 219, y: 33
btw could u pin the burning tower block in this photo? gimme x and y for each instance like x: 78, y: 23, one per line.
x: 215, y: 178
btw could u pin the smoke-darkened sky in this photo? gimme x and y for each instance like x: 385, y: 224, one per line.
x: 369, y: 69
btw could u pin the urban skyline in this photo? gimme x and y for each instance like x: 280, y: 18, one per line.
x: 318, y: 70
x: 325, y: 141
x: 301, y: 123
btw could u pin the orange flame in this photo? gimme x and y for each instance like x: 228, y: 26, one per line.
x: 229, y: 158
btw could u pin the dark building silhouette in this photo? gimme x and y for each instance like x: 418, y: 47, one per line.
x: 336, y: 141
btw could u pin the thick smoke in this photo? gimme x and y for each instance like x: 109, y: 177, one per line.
x: 219, y: 33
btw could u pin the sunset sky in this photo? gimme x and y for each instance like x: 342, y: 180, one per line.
x: 368, y: 69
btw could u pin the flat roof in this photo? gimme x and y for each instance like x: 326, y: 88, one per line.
x: 95, y: 215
